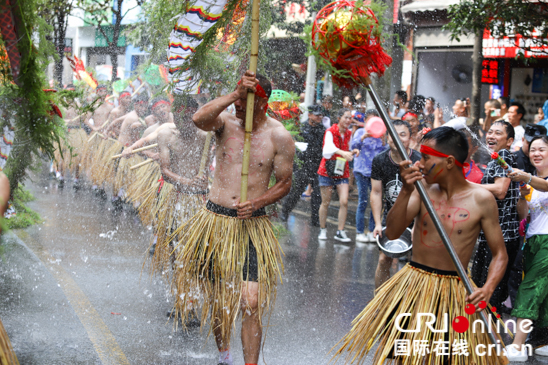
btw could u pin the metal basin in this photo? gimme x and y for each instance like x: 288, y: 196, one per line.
x: 398, y: 247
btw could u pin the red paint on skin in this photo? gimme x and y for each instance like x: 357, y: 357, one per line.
x: 439, y: 172
x: 452, y: 214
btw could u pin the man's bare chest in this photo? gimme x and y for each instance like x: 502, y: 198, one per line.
x: 230, y: 151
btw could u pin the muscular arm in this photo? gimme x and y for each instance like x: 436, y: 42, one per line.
x: 165, y: 162
x: 495, y: 241
x: 499, y: 188
x: 283, y: 172
x: 208, y: 118
x: 114, y: 124
x: 4, y: 194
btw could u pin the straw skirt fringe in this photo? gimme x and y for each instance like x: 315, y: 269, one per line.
x: 413, y: 290
x: 172, y: 210
x: 7, y: 356
x: 210, y: 256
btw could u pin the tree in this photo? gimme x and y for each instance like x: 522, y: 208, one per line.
x: 502, y: 19
x: 55, y: 13
x: 100, y: 12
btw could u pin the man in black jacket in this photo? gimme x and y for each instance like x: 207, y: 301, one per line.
x: 312, y: 132
x: 522, y: 155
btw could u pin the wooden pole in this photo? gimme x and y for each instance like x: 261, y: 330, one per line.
x: 136, y: 150
x: 253, y: 58
x: 205, y: 153
x: 146, y: 162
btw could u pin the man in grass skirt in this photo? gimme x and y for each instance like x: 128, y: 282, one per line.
x: 429, y: 283
x: 228, y: 250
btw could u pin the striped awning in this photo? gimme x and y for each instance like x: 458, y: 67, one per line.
x: 427, y: 5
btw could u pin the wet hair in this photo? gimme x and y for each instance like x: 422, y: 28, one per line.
x: 373, y: 112
x: 510, y: 132
x: 350, y: 99
x: 543, y: 138
x: 494, y: 103
x: 402, y: 122
x: 449, y: 141
x: 417, y: 103
x: 101, y: 86
x: 341, y: 113
x: 160, y: 98
x: 431, y: 99
x: 327, y: 99
x: 521, y: 109
x: 504, y: 100
x: 265, y: 84
x: 402, y: 95
x: 139, y: 98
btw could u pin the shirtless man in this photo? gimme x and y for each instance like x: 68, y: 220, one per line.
x: 124, y: 107
x: 100, y: 115
x: 160, y: 118
x: 134, y: 123
x: 272, y: 150
x: 464, y: 209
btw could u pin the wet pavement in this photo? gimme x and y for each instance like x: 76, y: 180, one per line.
x: 74, y: 290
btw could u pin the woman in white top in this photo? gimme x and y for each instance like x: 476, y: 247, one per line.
x: 532, y: 298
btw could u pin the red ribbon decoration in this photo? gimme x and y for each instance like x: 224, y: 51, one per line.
x: 159, y: 103
x: 410, y: 114
x: 260, y: 91
x: 432, y: 152
x: 124, y: 94
x: 161, y: 181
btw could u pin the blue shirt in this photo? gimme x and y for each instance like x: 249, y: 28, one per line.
x: 369, y: 148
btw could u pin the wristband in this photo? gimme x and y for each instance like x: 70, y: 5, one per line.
x: 530, y: 178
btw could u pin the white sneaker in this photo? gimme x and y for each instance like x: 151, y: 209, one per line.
x: 542, y: 351
x: 513, y: 354
x: 341, y: 236
x: 362, y: 237
x: 370, y: 237
x: 323, y: 234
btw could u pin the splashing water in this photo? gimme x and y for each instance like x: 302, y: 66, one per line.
x: 480, y: 143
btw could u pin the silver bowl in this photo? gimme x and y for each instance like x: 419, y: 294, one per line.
x: 398, y: 247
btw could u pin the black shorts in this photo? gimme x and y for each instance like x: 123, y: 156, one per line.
x: 251, y: 266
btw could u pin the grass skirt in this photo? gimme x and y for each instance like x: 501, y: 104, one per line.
x: 211, y: 252
x: 7, y: 356
x: 171, y: 211
x: 413, y: 290
x: 144, y: 189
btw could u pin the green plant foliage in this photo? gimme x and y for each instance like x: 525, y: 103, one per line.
x: 24, y: 216
x: 25, y: 103
x: 513, y: 17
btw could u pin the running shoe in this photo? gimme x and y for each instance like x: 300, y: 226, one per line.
x: 341, y: 236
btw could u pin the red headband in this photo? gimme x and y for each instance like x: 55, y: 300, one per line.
x: 409, y: 113
x: 159, y: 103
x: 260, y: 91
x: 432, y: 152
x: 124, y: 94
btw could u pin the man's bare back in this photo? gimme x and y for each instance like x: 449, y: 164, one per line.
x: 131, y: 129
x: 180, y: 158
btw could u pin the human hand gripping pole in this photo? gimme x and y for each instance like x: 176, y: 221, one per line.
x: 250, y: 99
x: 426, y: 201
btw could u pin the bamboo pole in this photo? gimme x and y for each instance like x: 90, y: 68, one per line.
x: 136, y: 150
x: 146, y: 162
x: 205, y: 153
x: 92, y: 136
x: 253, y: 58
x: 426, y: 201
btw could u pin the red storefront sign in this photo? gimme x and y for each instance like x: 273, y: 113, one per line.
x: 490, y: 72
x: 510, y: 47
